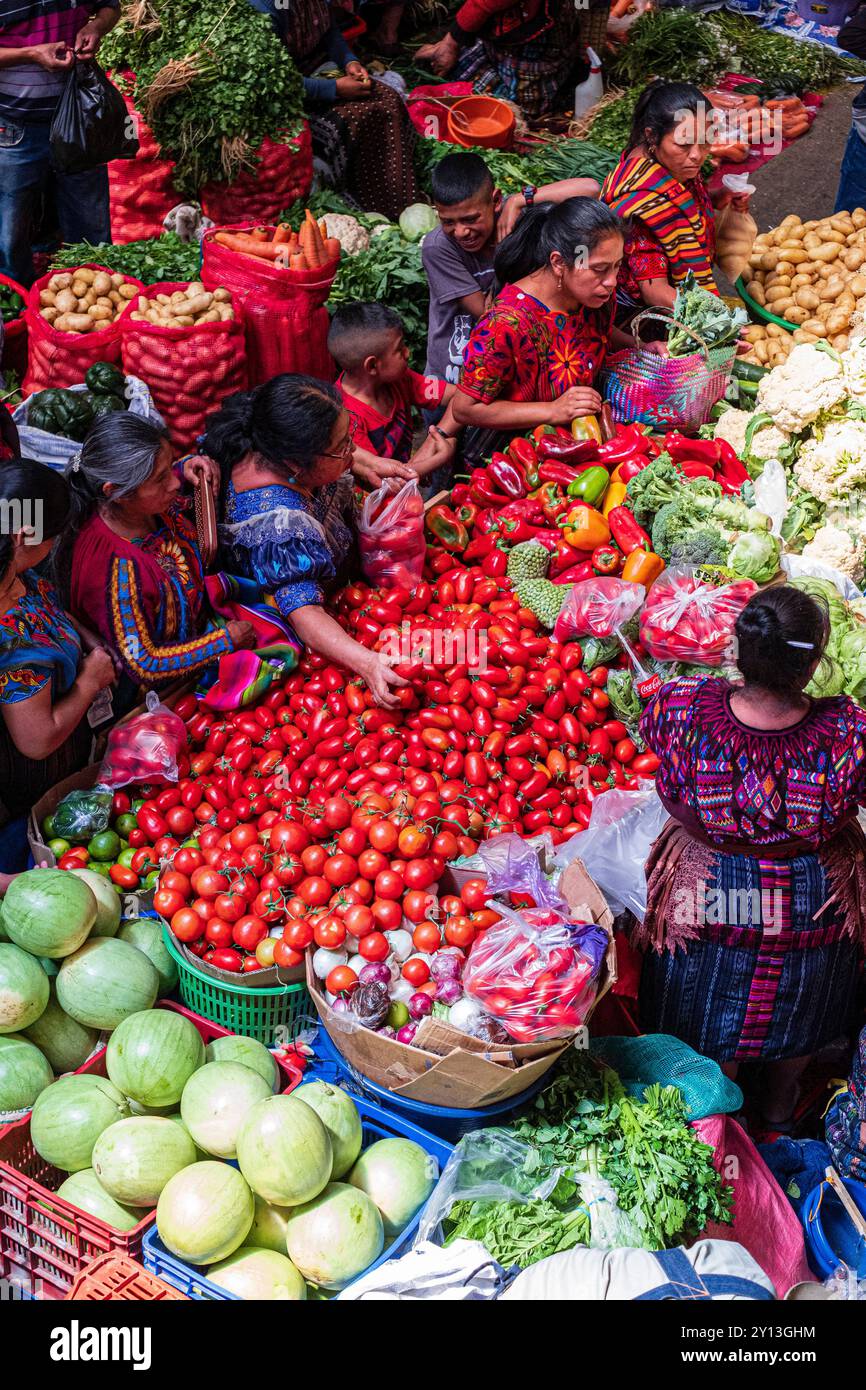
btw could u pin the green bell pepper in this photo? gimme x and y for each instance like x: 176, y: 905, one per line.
x: 105, y: 379
x: 590, y: 485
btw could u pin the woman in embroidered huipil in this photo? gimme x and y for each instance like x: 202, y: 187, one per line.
x: 131, y: 559
x: 756, y: 889
x: 285, y: 454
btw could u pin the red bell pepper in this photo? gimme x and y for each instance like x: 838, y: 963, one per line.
x: 508, y: 476
x: 447, y: 528
x: 730, y: 468
x: 606, y: 559
x: 481, y: 545
x: 628, y: 440
x: 484, y: 491
x: 630, y: 467
x: 551, y: 501
x: 577, y: 573
x: 626, y: 532
x: 567, y: 450
x: 495, y: 562
x: 524, y: 454
x: 554, y: 471
x: 459, y: 495
x: 467, y: 512
x: 695, y: 468
x: 683, y: 449
x: 564, y: 557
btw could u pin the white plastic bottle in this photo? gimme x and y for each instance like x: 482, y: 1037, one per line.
x: 589, y: 92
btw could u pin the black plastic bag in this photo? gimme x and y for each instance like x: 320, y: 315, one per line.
x: 92, y: 125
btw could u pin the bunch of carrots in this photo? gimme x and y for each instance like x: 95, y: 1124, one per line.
x: 304, y: 250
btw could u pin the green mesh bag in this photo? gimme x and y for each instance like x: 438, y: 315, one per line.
x: 658, y: 1057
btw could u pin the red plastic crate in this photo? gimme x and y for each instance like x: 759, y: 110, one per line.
x: 117, y: 1277
x: 44, y: 1241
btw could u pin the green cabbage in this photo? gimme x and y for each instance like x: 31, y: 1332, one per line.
x: 755, y: 555
x: 417, y: 220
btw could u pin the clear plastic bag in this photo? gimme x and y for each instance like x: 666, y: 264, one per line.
x: 687, y: 619
x: 514, y: 865
x: 536, y: 973
x: 614, y: 847
x: 597, y: 607
x: 146, y: 748
x: 82, y: 814
x: 391, y: 536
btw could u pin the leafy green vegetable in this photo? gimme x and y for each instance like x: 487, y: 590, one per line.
x: 390, y: 271
x: 805, y: 514
x: 765, y: 55
x: 156, y: 258
x: 671, y: 43
x: 599, y: 651
x: 625, y: 703
x: 611, y: 126
x: 211, y: 78
x: 662, y: 482
x: 705, y: 313
x: 584, y: 1122
x: 544, y: 163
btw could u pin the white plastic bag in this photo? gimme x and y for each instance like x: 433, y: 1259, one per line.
x: 771, y: 494
x: 801, y: 567
x: 614, y: 847
x: 57, y: 451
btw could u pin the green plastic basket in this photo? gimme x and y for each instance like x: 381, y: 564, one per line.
x: 271, y: 1015
x: 757, y: 310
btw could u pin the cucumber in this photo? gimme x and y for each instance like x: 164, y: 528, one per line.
x: 748, y: 371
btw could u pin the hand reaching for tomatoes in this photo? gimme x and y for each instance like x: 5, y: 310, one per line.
x: 381, y: 678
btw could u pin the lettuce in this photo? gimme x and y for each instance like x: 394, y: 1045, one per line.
x: 755, y: 555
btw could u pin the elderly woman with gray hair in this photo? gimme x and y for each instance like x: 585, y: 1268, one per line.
x: 129, y: 562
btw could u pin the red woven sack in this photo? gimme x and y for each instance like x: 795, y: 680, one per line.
x: 284, y: 174
x: 189, y: 371
x: 141, y: 190
x: 285, y: 318
x: 15, y: 334
x: 61, y: 359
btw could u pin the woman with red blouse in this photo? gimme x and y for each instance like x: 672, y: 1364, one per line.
x: 533, y: 357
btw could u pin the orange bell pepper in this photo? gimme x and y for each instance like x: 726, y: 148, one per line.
x: 642, y: 567
x: 585, y: 528
x: 586, y: 427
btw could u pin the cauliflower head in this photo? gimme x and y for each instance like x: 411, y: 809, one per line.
x: 854, y: 369
x: 795, y: 393
x: 833, y: 467
x: 348, y: 231
x: 767, y: 442
x: 834, y: 547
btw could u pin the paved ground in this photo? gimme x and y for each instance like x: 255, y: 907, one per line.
x: 804, y: 177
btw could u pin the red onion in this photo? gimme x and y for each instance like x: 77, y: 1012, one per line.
x: 420, y: 1005
x: 377, y: 972
x: 341, y: 1005
x: 407, y: 1033
x: 449, y: 991
x: 386, y: 1031
x: 445, y: 965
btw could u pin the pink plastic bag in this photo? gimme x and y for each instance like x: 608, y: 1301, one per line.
x: 144, y: 749
x: 597, y: 607
x: 764, y: 1222
x: 686, y: 619
x: 391, y: 536
x: 535, y: 972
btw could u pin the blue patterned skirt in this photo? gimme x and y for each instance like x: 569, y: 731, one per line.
x: 754, y: 972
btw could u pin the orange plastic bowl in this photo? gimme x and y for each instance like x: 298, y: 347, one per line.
x: 482, y: 121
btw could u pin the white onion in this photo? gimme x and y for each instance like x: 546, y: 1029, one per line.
x: 401, y: 943
x: 325, y: 961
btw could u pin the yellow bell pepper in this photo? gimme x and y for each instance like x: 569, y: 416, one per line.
x: 586, y: 427
x: 642, y: 567
x: 585, y: 528
x: 614, y: 497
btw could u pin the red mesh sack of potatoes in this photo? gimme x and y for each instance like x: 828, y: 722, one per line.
x: 61, y: 346
x: 190, y: 362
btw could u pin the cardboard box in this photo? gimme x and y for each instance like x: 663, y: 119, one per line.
x: 47, y: 804
x: 450, y: 1068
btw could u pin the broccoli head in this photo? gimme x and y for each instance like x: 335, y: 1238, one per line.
x: 702, y: 546
x: 675, y: 523
x: 650, y: 489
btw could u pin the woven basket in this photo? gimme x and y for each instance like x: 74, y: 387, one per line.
x: 668, y: 393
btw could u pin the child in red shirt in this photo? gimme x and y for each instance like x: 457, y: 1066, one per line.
x: 383, y: 395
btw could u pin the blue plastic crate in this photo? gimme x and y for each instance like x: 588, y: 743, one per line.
x: 449, y: 1124
x: 377, y: 1124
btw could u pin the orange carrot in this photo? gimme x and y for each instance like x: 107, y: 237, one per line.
x: 260, y: 234
x: 248, y: 246
x: 332, y: 248
x: 316, y: 249
x: 283, y: 234
x: 323, y: 229
x: 298, y: 261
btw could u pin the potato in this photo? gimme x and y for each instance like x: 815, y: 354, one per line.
x: 769, y: 260
x: 50, y: 314
x: 806, y: 299
x: 814, y: 325
x: 762, y: 352
x: 802, y: 335
x: 226, y: 313
x: 66, y: 301
x: 222, y: 296
x: 854, y: 258
x: 88, y: 300
x: 85, y: 274
x: 212, y: 316
x: 46, y: 299
x: 826, y: 271
x: 777, y: 292
x: 823, y: 312
x: 756, y: 291
x: 785, y: 268
x: 115, y: 297
x: 840, y: 342
x: 101, y: 282
x: 857, y: 285
x: 79, y: 287
x: 846, y: 302
x: 795, y: 256
x: 127, y: 291
x: 99, y: 313
x: 795, y: 315
x: 138, y: 317
x: 801, y: 282
x: 827, y: 251
x: 753, y: 333
x: 74, y: 323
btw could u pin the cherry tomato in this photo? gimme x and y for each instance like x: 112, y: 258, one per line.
x: 340, y: 869
x: 341, y: 980
x: 248, y: 931
x: 187, y: 925
x: 427, y: 937
x: 329, y: 932
x: 314, y: 891
x: 374, y: 946
x: 416, y: 971
x: 359, y: 920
